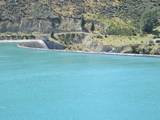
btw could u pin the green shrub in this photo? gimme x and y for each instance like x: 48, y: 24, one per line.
x: 92, y: 27
x: 149, y: 20
x: 83, y: 23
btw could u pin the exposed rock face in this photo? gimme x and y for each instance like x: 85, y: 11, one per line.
x: 155, y: 51
x: 45, y: 44
x: 127, y: 49
x: 69, y: 38
x: 54, y: 45
x: 36, y: 25
x: 42, y: 25
x: 69, y: 24
x: 17, y: 37
x: 138, y: 49
x: 27, y: 16
x: 107, y: 48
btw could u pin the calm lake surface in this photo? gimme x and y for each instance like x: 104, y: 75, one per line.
x: 48, y: 85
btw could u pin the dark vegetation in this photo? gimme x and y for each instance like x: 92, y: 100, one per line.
x: 93, y: 26
x: 83, y: 23
x: 145, y: 14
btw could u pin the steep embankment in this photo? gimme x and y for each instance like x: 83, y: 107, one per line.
x: 26, y: 16
x: 31, y: 16
x: 45, y: 16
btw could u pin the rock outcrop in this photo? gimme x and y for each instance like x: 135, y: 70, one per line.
x: 54, y: 45
x: 44, y: 44
x: 16, y: 37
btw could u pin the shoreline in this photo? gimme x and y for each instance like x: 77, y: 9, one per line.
x: 92, y: 52
x: 72, y: 51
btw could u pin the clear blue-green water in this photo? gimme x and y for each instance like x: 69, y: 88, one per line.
x: 48, y: 85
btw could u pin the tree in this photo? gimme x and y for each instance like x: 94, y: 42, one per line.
x: 52, y: 35
x: 149, y: 20
x: 83, y: 22
x: 93, y: 26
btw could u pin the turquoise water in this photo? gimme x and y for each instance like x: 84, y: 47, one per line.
x: 47, y: 85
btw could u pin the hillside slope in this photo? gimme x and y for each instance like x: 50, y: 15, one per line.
x: 45, y: 16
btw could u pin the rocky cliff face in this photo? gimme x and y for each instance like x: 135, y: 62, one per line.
x: 29, y: 25
x: 64, y: 15
x: 33, y: 16
x: 27, y: 16
x: 44, y: 15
